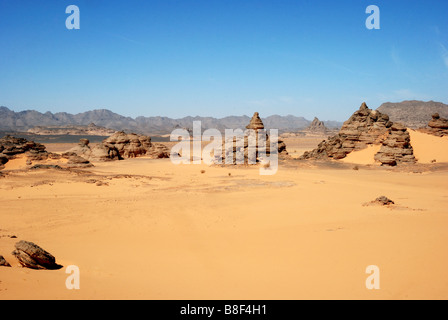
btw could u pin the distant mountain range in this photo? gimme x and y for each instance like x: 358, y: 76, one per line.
x: 25, y: 120
x: 413, y: 114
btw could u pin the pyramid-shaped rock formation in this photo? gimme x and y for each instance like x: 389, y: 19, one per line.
x: 364, y: 127
x: 317, y: 126
x: 241, y: 149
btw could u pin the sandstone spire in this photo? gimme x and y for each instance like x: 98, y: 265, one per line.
x: 255, y: 122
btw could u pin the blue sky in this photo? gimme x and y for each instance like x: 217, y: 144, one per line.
x: 221, y: 57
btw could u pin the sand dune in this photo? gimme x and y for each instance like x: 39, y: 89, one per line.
x: 364, y: 156
x: 428, y: 147
x: 147, y: 229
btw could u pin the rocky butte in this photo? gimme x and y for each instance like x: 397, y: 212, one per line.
x: 366, y: 127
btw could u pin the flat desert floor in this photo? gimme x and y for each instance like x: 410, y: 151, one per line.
x: 149, y: 229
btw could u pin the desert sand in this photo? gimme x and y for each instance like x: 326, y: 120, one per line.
x: 149, y: 229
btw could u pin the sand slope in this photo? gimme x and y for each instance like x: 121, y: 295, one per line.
x: 428, y: 147
x: 152, y: 230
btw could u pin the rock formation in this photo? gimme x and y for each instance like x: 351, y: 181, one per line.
x: 384, y: 201
x: 32, y: 256
x: 119, y: 146
x: 396, y: 148
x: 437, y: 126
x: 317, y: 126
x: 380, y: 201
x: 241, y: 149
x: 364, y: 127
x: 11, y: 146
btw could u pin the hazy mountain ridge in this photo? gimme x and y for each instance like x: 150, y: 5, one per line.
x: 413, y: 113
x: 25, y: 120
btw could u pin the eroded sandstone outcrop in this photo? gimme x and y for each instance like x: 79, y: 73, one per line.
x: 396, y: 148
x: 437, y: 126
x: 120, y: 146
x: 10, y: 147
x: 364, y: 127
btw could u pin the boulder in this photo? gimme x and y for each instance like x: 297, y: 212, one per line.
x: 32, y: 256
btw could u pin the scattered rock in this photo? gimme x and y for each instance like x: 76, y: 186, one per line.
x: 380, y: 201
x: 3, y: 262
x: 383, y: 200
x: 32, y: 256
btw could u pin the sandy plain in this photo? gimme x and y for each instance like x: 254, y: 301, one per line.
x: 149, y: 229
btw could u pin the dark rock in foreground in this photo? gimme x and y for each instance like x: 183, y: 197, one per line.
x: 383, y: 200
x: 32, y: 256
x: 3, y: 262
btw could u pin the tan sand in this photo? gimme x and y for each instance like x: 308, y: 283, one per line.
x: 15, y: 164
x: 147, y: 229
x: 428, y: 147
x: 364, y: 156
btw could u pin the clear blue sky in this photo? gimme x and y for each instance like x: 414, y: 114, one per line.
x: 221, y: 57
